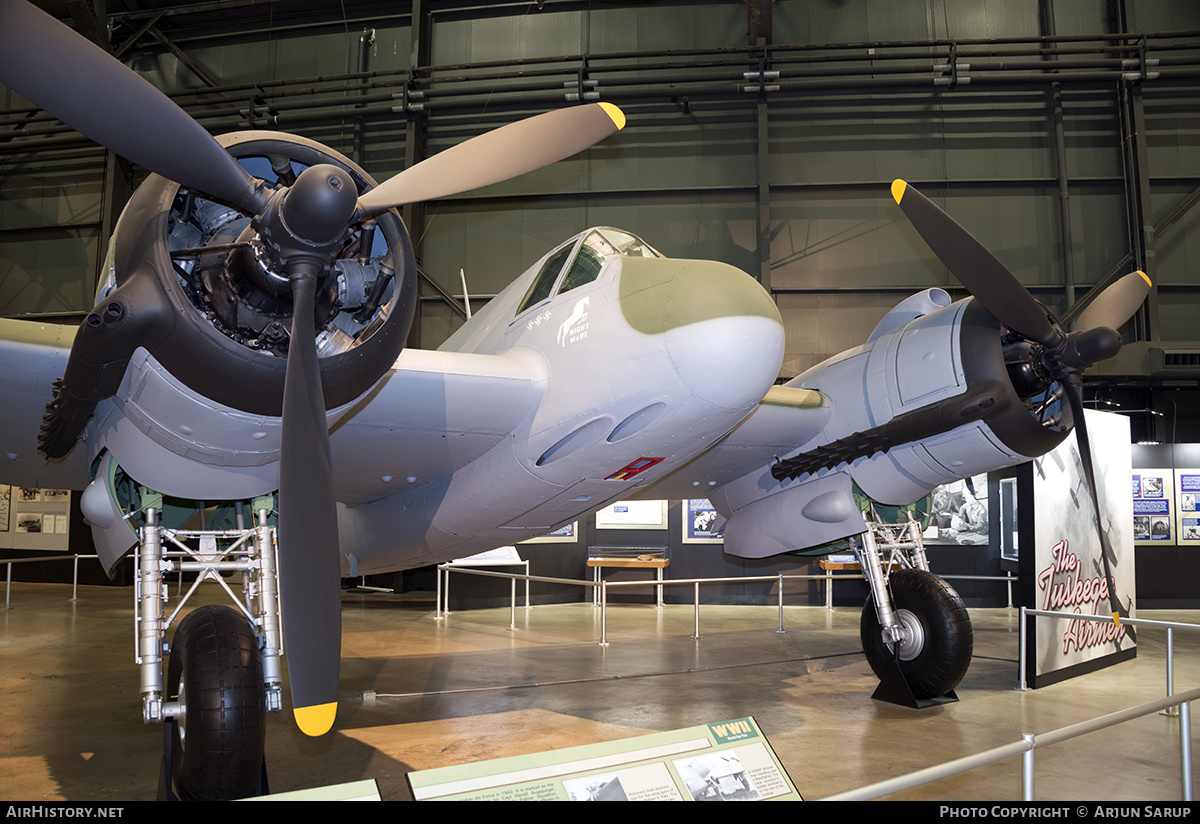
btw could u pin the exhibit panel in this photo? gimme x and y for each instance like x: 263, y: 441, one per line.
x: 1154, y: 507
x: 1187, y: 490
x: 34, y: 519
x: 1066, y: 570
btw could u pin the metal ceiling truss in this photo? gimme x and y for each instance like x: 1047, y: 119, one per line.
x: 1131, y: 63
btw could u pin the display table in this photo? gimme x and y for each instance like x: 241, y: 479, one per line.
x: 597, y: 564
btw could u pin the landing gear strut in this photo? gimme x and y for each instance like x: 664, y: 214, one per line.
x: 224, y: 672
x: 916, y: 633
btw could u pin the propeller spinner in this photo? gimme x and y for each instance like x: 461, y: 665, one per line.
x: 304, y: 226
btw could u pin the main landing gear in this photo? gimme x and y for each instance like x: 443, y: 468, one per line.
x: 224, y: 673
x: 915, y: 630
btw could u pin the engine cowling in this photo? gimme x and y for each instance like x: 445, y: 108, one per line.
x: 215, y: 326
x: 940, y: 391
x: 936, y: 397
x: 178, y: 371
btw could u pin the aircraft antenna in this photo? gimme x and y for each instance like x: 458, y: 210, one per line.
x: 466, y: 297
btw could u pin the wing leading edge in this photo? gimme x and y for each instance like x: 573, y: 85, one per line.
x: 432, y: 414
x: 786, y: 417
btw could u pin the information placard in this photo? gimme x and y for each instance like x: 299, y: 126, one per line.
x: 730, y: 761
x: 1187, y: 493
x: 1153, y: 506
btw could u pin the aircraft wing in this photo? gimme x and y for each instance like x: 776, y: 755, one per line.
x: 33, y: 356
x: 431, y: 414
x: 786, y: 419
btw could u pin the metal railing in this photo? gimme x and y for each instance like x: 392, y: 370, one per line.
x: 443, y: 590
x: 604, y: 586
x: 1169, y: 626
x: 8, y: 562
x: 1172, y: 705
x: 1028, y: 743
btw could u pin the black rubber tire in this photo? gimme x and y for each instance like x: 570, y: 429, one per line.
x: 216, y: 670
x: 936, y: 663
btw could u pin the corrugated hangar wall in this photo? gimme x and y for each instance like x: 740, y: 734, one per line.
x: 770, y: 150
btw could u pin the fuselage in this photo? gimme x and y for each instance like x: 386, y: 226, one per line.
x: 635, y: 363
x: 599, y: 370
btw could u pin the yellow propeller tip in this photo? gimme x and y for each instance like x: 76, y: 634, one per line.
x: 315, y: 720
x: 898, y: 187
x: 616, y: 114
x: 1145, y: 277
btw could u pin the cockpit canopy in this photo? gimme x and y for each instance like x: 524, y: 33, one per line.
x: 580, y: 260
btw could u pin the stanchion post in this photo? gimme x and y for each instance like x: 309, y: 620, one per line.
x: 1171, y: 711
x: 512, y: 604
x: 1021, y: 654
x: 1185, y: 748
x: 1027, y: 769
x: 603, y: 612
x: 781, y: 630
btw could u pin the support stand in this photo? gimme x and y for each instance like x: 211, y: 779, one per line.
x: 894, y: 689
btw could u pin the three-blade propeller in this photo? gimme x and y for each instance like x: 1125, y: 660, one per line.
x: 1063, y: 355
x: 88, y: 89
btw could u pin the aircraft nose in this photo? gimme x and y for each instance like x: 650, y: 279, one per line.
x: 721, y: 328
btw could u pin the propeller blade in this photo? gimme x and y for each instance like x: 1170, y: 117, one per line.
x: 1116, y: 304
x: 498, y: 155
x: 97, y: 95
x: 309, y: 562
x: 1073, y: 389
x: 985, y: 277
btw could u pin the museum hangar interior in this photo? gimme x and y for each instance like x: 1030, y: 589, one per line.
x: 765, y: 135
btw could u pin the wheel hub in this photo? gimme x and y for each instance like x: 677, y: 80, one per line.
x: 181, y: 719
x: 912, y: 635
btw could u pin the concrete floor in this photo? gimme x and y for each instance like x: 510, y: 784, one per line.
x: 466, y: 688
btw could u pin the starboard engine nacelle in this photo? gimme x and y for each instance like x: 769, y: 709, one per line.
x: 943, y: 396
x: 940, y: 391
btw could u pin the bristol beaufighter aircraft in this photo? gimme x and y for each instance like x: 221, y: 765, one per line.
x: 246, y: 341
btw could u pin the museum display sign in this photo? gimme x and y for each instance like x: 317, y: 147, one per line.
x: 1065, y: 572
x: 36, y: 519
x: 1153, y: 506
x: 727, y: 761
x: 1187, y: 492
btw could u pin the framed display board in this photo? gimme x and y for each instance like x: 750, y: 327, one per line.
x: 563, y: 535
x: 36, y: 519
x: 633, y: 515
x: 1187, y: 494
x: 1153, y: 506
x: 702, y: 524
x: 959, y: 513
x: 1065, y: 572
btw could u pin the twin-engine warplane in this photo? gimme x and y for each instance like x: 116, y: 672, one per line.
x: 246, y: 340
